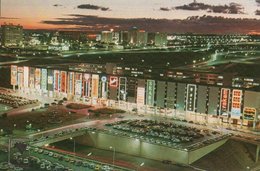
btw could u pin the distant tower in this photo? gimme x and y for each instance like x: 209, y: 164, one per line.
x: 195, y: 1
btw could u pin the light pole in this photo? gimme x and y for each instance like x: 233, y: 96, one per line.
x: 114, y: 153
x: 74, y: 145
x: 139, y: 166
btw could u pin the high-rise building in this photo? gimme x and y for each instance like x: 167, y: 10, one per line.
x: 124, y: 37
x: 115, y: 37
x: 161, y: 39
x: 133, y: 36
x: 137, y: 37
x: 151, y: 39
x: 106, y: 36
x: 142, y: 37
x: 12, y: 35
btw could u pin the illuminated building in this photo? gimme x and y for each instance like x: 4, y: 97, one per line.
x: 142, y: 37
x: 124, y: 37
x: 12, y: 35
x: 107, y: 37
x: 160, y: 39
x: 161, y: 96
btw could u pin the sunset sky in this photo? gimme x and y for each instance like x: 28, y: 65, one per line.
x: 43, y: 14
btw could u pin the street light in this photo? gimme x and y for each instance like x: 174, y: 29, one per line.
x: 114, y: 153
x: 74, y: 145
x: 142, y: 164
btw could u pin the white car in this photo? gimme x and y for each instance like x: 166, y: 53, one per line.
x: 42, y: 166
x: 25, y: 161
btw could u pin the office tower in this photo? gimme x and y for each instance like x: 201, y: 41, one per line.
x: 12, y: 35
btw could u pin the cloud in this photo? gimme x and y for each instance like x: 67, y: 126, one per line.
x: 57, y: 5
x: 257, y: 12
x: 164, y: 9
x: 92, y: 7
x: 232, y: 8
x: 204, y: 24
x: 9, y: 18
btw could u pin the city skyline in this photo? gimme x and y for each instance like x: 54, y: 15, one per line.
x: 100, y: 15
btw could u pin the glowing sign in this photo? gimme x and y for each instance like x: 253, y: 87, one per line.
x: 31, y: 77
x: 191, y: 97
x: 103, y: 87
x: 113, y: 81
x: 44, y: 79
x: 236, y: 103
x: 122, y: 88
x: 78, y: 84
x: 103, y: 78
x: 95, y: 82
x: 26, y: 76
x: 224, y: 100
x: 50, y: 80
x: 71, y: 83
x: 20, y: 77
x: 14, y: 71
x: 140, y: 95
x: 150, y: 87
x: 56, y: 80
x: 249, y: 113
x: 38, y: 78
x: 63, y: 81
x: 87, y: 79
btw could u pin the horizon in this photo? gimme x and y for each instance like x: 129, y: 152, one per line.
x: 166, y: 16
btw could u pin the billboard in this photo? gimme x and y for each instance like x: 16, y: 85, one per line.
x: 113, y: 81
x: 50, y: 80
x: 224, y: 101
x: 131, y: 90
x: 103, y: 87
x: 14, y: 74
x: 171, y: 95
x: 191, y: 97
x: 202, y: 99
x: 56, y: 80
x: 160, y: 94
x: 37, y: 78
x: 86, y: 86
x: 44, y: 79
x: 140, y: 95
x: 26, y: 76
x: 63, y: 80
x: 249, y: 113
x: 78, y: 84
x: 94, y: 88
x: 122, y: 88
x: 71, y: 83
x: 31, y: 77
x: 20, y: 77
x: 150, y: 87
x: 213, y: 100
x: 236, y: 103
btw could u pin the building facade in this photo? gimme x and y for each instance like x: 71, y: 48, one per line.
x: 159, y: 97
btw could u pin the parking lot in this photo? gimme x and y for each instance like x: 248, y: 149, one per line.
x: 46, y: 159
x: 165, y: 133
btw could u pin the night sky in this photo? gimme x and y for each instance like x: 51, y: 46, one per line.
x: 204, y: 16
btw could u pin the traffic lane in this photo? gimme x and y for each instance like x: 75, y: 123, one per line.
x: 64, y: 163
x: 121, y: 159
